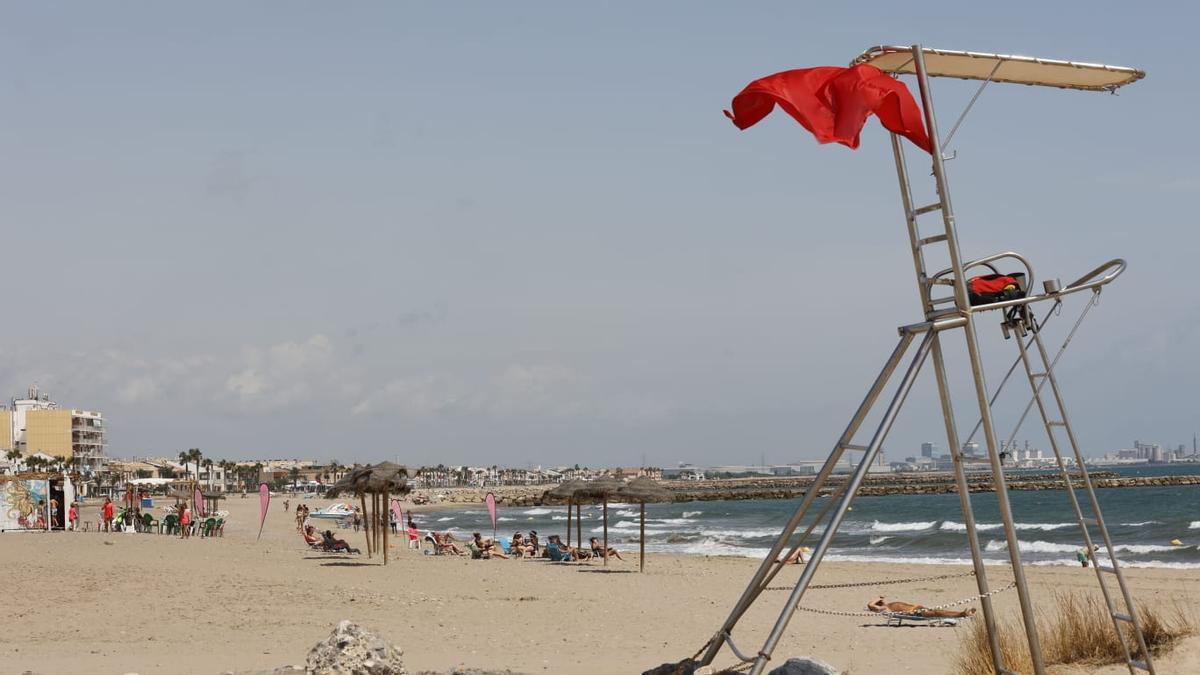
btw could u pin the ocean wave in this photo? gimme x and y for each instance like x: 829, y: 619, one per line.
x: 671, y: 521
x: 1151, y: 548
x: 558, y: 517
x: 1144, y: 522
x: 747, y: 534
x: 1124, y: 563
x: 691, y: 514
x: 902, y: 527
x: 627, y: 514
x: 875, y: 541
x: 445, y: 518
x: 709, y: 547
x: 1195, y: 525
x: 1032, y: 547
x: 537, y: 512
x: 501, y: 519
x: 951, y: 526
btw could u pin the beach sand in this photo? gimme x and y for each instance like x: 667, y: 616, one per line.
x: 118, y: 603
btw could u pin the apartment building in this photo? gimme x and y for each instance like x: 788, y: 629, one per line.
x: 37, y: 424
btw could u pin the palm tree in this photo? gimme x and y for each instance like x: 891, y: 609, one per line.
x: 208, y: 465
x: 14, y: 456
x: 295, y: 475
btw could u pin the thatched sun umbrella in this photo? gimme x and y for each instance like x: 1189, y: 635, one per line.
x: 565, y: 494
x: 643, y: 490
x: 602, y: 489
x: 380, y: 481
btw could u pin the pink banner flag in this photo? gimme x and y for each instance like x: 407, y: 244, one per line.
x: 398, y: 512
x: 490, y: 500
x: 264, y: 502
x: 198, y: 500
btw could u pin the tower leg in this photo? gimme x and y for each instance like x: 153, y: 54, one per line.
x: 761, y: 577
x: 814, y: 561
x: 964, y: 496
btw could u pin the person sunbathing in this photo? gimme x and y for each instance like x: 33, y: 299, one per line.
x: 487, y: 547
x: 445, y: 543
x: 310, y: 536
x: 332, y: 544
x: 598, y: 550
x: 896, y: 607
x: 519, y: 546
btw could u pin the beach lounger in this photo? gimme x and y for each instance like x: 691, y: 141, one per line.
x: 505, y: 545
x: 558, y: 555
x: 917, y: 619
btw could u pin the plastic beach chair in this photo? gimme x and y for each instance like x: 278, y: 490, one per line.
x: 505, y: 545
x: 149, y: 524
x: 557, y: 554
x: 170, y: 524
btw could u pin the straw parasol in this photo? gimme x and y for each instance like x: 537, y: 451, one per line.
x: 642, y: 490
x: 601, y: 489
x: 381, y: 481
x: 564, y: 493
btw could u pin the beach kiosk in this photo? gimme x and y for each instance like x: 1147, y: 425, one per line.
x: 960, y: 296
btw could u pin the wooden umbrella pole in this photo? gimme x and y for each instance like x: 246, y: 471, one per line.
x: 366, y: 523
x: 387, y: 503
x: 568, y: 524
x: 642, y: 542
x: 375, y: 504
x: 578, y: 531
x: 606, y: 529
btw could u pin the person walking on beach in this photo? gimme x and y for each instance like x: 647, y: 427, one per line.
x: 73, y: 518
x: 107, y: 513
x: 357, y: 520
x: 286, y: 506
x: 185, y: 522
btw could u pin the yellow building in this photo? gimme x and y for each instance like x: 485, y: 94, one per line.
x: 49, y: 432
x: 6, y: 436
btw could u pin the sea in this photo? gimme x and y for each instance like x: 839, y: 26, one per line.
x: 929, y: 529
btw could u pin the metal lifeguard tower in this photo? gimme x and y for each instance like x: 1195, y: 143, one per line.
x: 950, y: 311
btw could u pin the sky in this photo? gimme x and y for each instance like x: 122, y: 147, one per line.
x: 525, y: 234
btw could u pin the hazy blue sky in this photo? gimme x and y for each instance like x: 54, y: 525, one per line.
x: 526, y: 233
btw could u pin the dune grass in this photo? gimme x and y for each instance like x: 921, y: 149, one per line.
x: 1079, y: 632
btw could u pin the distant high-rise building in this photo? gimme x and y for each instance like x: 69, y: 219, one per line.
x: 971, y: 449
x: 927, y: 449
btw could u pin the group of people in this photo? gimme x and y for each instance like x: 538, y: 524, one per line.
x: 520, y: 546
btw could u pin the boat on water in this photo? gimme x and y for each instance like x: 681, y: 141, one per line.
x: 340, y: 512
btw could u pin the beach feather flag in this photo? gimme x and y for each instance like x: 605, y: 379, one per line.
x: 398, y: 512
x: 264, y: 503
x: 198, y: 500
x: 490, y: 500
x: 833, y: 103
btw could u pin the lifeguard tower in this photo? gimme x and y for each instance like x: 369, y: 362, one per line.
x: 954, y: 310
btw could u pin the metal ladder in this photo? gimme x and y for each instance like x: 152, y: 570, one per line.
x: 1055, y: 418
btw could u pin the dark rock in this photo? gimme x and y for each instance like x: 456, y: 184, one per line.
x: 353, y: 650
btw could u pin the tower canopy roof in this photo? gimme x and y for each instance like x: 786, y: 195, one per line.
x: 1003, y: 68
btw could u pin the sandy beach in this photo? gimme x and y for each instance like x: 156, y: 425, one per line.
x: 117, y: 603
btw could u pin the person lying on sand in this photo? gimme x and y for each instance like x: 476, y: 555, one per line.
x: 487, y: 546
x: 519, y: 547
x: 897, y: 607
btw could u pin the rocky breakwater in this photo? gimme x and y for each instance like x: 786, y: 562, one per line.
x: 791, y: 487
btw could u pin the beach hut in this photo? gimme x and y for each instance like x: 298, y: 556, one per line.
x: 380, y: 482
x: 565, y: 494
x: 643, y: 490
x: 601, y: 489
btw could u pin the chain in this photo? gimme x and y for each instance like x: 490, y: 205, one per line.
x: 918, y: 612
x: 884, y: 582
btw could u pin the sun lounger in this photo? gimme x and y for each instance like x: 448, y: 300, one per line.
x: 557, y: 554
x: 916, y: 619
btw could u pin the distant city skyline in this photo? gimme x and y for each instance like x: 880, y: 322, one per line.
x: 527, y: 234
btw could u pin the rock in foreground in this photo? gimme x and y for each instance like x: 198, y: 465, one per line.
x: 353, y: 650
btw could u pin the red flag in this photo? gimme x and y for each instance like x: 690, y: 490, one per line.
x: 833, y: 103
x: 198, y: 500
